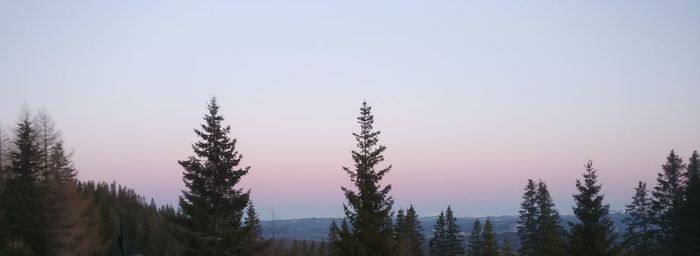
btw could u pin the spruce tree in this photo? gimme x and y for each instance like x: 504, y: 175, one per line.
x: 60, y: 167
x: 22, y: 201
x: 527, y: 221
x: 549, y: 235
x: 368, y: 207
x: 212, y: 204
x: 454, y: 240
x: 687, y: 234
x: 254, y: 241
x: 412, y: 233
x: 507, y: 248
x: 475, y: 246
x: 639, y: 234
x: 594, y: 234
x: 490, y: 246
x: 437, y: 244
x: 47, y: 137
x: 669, y: 194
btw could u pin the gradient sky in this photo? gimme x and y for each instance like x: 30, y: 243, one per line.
x: 472, y: 97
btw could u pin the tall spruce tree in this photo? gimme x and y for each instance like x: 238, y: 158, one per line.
x: 669, y: 194
x: 47, y: 137
x: 549, y: 234
x: 438, y: 244
x: 22, y: 201
x: 527, y: 221
x: 411, y: 237
x: 212, y: 204
x: 254, y: 241
x: 594, y: 234
x: 368, y: 208
x: 490, y: 246
x: 687, y: 234
x: 639, y: 234
x: 475, y: 245
x: 454, y: 240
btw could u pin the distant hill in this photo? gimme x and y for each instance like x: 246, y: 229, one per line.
x: 317, y: 228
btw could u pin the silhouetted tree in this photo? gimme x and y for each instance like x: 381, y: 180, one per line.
x: 22, y: 201
x: 507, y: 248
x: 594, y: 234
x: 453, y: 234
x: 438, y: 243
x: 254, y: 241
x: 47, y: 137
x: 669, y: 194
x: 687, y: 234
x: 212, y: 205
x: 490, y: 246
x: 368, y: 208
x: 639, y: 234
x: 475, y: 245
x: 409, y: 233
x: 550, y: 234
x: 527, y: 222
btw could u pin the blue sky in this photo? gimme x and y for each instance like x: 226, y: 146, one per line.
x: 472, y: 97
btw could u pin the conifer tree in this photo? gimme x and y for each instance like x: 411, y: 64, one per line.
x: 490, y: 246
x: 687, y: 236
x: 549, y: 234
x: 254, y: 241
x: 4, y: 153
x: 639, y: 234
x: 22, y: 201
x: 47, y: 137
x: 412, y: 234
x: 454, y: 240
x: 507, y: 248
x: 212, y: 204
x: 368, y: 208
x: 437, y: 244
x: 669, y: 194
x: 594, y: 234
x: 476, y: 241
x: 527, y: 222
x: 400, y: 224
x: 60, y: 167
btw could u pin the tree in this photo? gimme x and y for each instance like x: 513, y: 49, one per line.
x: 212, y: 205
x: 527, y: 221
x: 476, y: 241
x: 254, y: 240
x: 410, y: 237
x: 669, y: 194
x: 549, y: 234
x: 490, y: 246
x: 22, y: 201
x: 437, y: 244
x: 594, y: 234
x: 4, y: 153
x: 368, y: 208
x: 507, y: 248
x: 47, y: 137
x: 639, y: 234
x: 453, y: 234
x: 686, y: 237
x: 60, y: 167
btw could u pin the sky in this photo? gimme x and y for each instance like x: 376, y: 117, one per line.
x: 472, y: 97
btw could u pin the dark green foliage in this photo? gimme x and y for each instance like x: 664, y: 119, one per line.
x: 368, y: 208
x: 639, y: 234
x: 687, y: 233
x: 409, y: 235
x: 489, y: 244
x: 212, y: 206
x: 527, y: 223
x: 23, y: 199
x: 549, y: 234
x: 475, y: 246
x: 594, y: 234
x: 669, y: 194
x: 254, y: 241
x: 438, y: 244
x: 507, y: 248
x: 59, y: 165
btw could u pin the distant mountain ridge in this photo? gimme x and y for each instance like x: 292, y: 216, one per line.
x: 317, y: 228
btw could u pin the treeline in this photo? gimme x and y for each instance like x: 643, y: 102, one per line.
x: 45, y: 210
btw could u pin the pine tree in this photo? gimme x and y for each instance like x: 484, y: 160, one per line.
x: 476, y: 242
x: 254, y: 241
x: 687, y: 236
x: 639, y: 234
x: 412, y: 234
x: 594, y: 234
x: 549, y: 234
x: 507, y: 248
x: 669, y: 194
x: 400, y: 224
x: 60, y: 167
x: 212, y: 205
x: 4, y: 154
x: 527, y: 222
x: 47, y: 137
x: 369, y: 207
x: 454, y: 240
x: 490, y: 246
x: 22, y: 201
x: 438, y: 244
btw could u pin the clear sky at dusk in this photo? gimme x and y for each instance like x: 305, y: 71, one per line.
x: 472, y: 97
